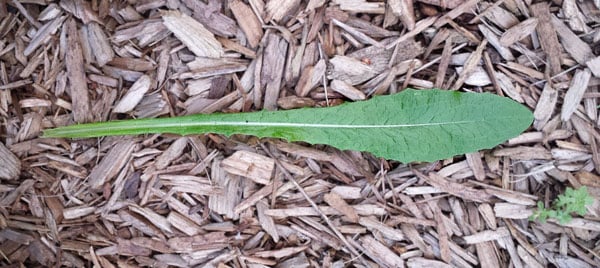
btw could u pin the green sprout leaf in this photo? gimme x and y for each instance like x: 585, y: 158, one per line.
x: 415, y: 125
x: 571, y: 201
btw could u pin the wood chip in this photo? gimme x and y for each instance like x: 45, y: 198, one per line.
x: 111, y: 163
x: 77, y: 212
x: 247, y: 21
x: 594, y: 66
x: 99, y: 44
x: 405, y: 11
x: 272, y: 70
x: 518, y: 32
x: 577, y: 88
x: 347, y: 90
x: 134, y: 95
x: 253, y: 166
x: 487, y: 235
x: 453, y: 188
x: 547, y: 35
x: 545, y: 107
x: 232, y: 185
x: 174, y: 151
x: 385, y: 230
x: 579, y: 50
x: 310, y: 77
x: 10, y: 165
x: 350, y: 70
x: 339, y: 204
x: 380, y: 252
x: 193, y: 34
x: 495, y: 42
x: 266, y: 221
x: 76, y: 74
x: 277, y: 10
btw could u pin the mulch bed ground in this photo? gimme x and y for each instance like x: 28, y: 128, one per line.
x: 214, y: 201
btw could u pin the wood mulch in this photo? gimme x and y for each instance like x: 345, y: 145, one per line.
x: 212, y: 201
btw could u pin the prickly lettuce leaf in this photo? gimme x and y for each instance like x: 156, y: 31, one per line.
x: 414, y: 125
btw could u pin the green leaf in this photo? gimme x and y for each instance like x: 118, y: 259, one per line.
x: 565, y: 204
x: 563, y: 217
x: 415, y: 125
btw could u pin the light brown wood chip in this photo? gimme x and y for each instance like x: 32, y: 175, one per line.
x: 361, y: 6
x: 547, y: 35
x: 518, y: 32
x: 256, y: 167
x: 495, y: 42
x: 278, y: 9
x: 174, y: 151
x: 454, y: 188
x: 134, y: 95
x: 363, y: 210
x: 111, y: 163
x: 99, y: 43
x: 76, y: 73
x: 594, y: 66
x: 465, y: 6
x: 338, y: 203
x: 527, y: 259
x: 380, y: 252
x: 487, y: 235
x: 225, y: 203
x: 310, y: 78
x: 266, y: 221
x: 280, y: 253
x: 248, y: 21
x: 545, y: 106
x: 577, y: 88
x: 43, y: 35
x: 487, y: 254
x: 442, y: 230
x: 375, y: 225
x: 512, y: 211
x: 183, y: 224
x: 498, y: 15
x: 420, y: 262
x: 469, y: 66
x: 193, y: 34
x: 347, y: 90
x: 77, y: 212
x: 350, y: 70
x: 272, y: 69
x: 10, y: 165
x: 475, y: 163
x: 579, y: 50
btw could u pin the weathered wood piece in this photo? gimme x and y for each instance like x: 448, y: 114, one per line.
x: 78, y: 88
x: 193, y: 35
x: 272, y: 70
x: 247, y: 21
x: 10, y: 165
x: 547, y: 35
x: 111, y: 163
x: 134, y: 95
x: 250, y: 165
x: 577, y: 88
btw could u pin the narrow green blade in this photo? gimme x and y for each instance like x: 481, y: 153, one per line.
x: 415, y: 125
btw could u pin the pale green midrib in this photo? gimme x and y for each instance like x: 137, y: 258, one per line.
x: 174, y: 127
x: 305, y: 125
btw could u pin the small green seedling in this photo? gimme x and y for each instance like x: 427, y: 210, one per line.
x: 565, y: 204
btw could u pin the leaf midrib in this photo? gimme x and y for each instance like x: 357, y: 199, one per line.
x: 300, y: 125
